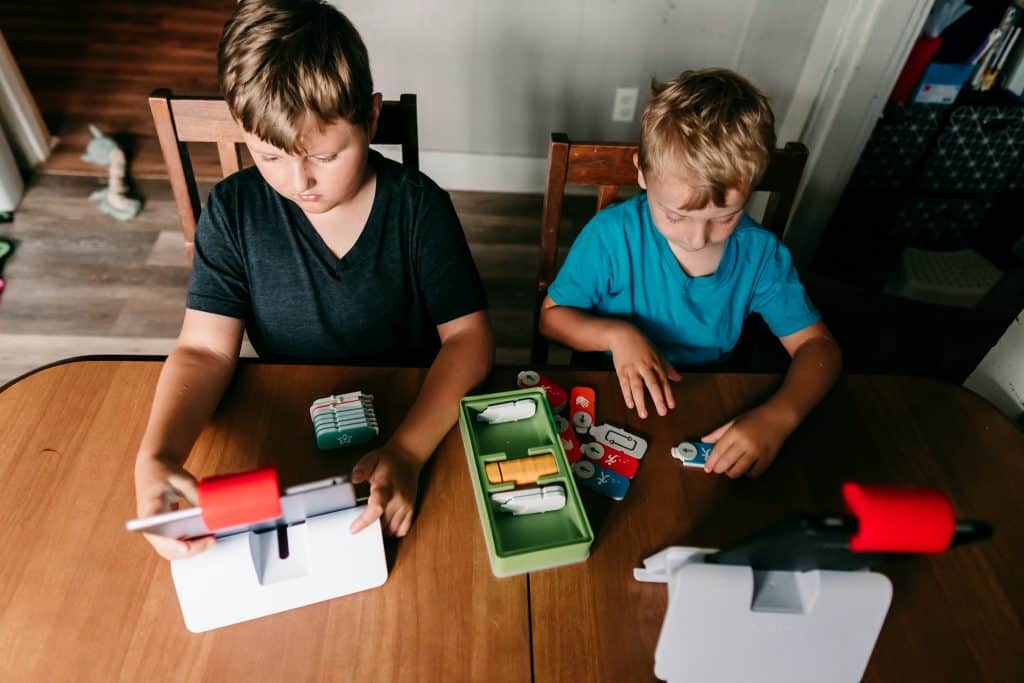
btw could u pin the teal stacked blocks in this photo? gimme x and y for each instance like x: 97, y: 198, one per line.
x: 343, y: 420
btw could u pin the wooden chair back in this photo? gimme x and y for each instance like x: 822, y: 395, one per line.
x: 180, y: 120
x: 609, y: 166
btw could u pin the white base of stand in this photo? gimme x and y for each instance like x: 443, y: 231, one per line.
x: 731, y: 623
x: 243, y: 576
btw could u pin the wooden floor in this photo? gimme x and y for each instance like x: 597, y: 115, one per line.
x: 81, y: 282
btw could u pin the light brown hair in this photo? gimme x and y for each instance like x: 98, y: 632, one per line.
x: 711, y: 127
x: 284, y: 64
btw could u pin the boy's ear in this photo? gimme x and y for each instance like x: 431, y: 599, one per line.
x: 371, y: 124
x: 640, y: 180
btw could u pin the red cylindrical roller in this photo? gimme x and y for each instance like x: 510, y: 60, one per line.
x: 233, y: 499
x: 899, y: 520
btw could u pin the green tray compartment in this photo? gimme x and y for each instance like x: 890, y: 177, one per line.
x: 518, y: 544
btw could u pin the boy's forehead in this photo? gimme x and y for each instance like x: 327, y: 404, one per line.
x: 678, y: 191
x: 313, y: 134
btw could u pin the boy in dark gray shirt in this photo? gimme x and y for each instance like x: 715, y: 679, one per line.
x: 325, y: 250
x: 259, y: 259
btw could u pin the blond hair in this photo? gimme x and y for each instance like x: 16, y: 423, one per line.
x: 284, y: 64
x: 712, y: 127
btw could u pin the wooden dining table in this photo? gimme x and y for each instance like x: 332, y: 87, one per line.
x: 82, y: 599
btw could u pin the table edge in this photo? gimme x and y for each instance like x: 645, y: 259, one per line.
x: 286, y: 361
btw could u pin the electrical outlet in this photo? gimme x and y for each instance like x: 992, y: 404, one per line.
x: 624, y: 107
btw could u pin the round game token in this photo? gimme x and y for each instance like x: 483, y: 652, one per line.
x: 686, y: 450
x: 584, y: 469
x: 582, y: 421
x: 528, y: 378
x: 594, y: 451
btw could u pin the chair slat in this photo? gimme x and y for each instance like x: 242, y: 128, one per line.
x: 606, y: 195
x: 230, y: 161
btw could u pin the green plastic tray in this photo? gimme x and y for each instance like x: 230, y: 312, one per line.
x: 518, y: 544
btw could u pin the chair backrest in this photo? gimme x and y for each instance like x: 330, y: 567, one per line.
x: 181, y: 119
x: 609, y: 166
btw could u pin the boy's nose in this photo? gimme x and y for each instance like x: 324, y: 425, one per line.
x: 301, y: 180
x: 697, y: 238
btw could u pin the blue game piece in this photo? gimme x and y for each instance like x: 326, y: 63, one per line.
x: 692, y: 453
x: 601, y: 480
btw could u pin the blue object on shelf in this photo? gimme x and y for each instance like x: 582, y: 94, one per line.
x: 941, y: 83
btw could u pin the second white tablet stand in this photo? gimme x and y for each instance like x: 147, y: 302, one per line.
x: 732, y: 623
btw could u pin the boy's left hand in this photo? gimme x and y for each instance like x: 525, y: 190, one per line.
x: 747, y: 444
x: 394, y: 478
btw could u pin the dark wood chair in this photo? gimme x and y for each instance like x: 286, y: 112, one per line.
x: 180, y: 120
x: 609, y: 166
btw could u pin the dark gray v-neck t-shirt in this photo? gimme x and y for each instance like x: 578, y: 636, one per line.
x: 258, y: 258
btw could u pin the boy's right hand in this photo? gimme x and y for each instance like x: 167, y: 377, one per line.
x: 639, y: 365
x: 159, y: 486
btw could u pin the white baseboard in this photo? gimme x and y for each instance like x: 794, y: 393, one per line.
x: 479, y: 172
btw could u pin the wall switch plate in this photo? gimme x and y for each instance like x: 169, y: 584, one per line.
x: 624, y: 107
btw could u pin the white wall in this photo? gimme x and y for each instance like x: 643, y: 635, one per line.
x: 1000, y: 375
x: 497, y: 78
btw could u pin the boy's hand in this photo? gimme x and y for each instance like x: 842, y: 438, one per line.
x: 747, y: 444
x: 159, y: 486
x: 638, y: 365
x: 394, y: 478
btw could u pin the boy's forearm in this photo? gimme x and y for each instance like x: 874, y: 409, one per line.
x: 579, y: 330
x: 463, y: 362
x: 814, y: 369
x: 191, y: 385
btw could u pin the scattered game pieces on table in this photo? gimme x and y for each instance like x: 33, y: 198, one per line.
x: 604, y: 458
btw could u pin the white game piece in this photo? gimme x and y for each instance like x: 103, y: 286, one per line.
x: 531, y: 501
x: 510, y: 411
x: 620, y: 439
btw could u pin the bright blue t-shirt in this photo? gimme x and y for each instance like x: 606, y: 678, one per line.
x: 620, y: 266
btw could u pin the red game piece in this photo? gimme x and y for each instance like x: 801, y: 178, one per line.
x: 582, y: 408
x: 557, y: 396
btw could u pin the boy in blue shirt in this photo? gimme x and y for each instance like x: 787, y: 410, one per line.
x: 668, y: 277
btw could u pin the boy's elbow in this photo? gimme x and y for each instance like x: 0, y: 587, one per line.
x: 838, y: 351
x: 547, y: 321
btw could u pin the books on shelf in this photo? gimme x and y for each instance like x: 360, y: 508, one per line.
x: 998, y: 59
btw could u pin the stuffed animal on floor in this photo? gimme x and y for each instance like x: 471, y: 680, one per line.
x: 113, y: 199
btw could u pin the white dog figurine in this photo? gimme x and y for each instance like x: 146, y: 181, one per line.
x: 113, y: 199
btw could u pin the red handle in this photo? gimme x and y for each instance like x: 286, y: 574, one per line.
x: 898, y: 519
x: 233, y: 499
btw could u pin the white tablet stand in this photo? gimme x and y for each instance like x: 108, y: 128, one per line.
x: 244, y: 576
x: 732, y: 623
